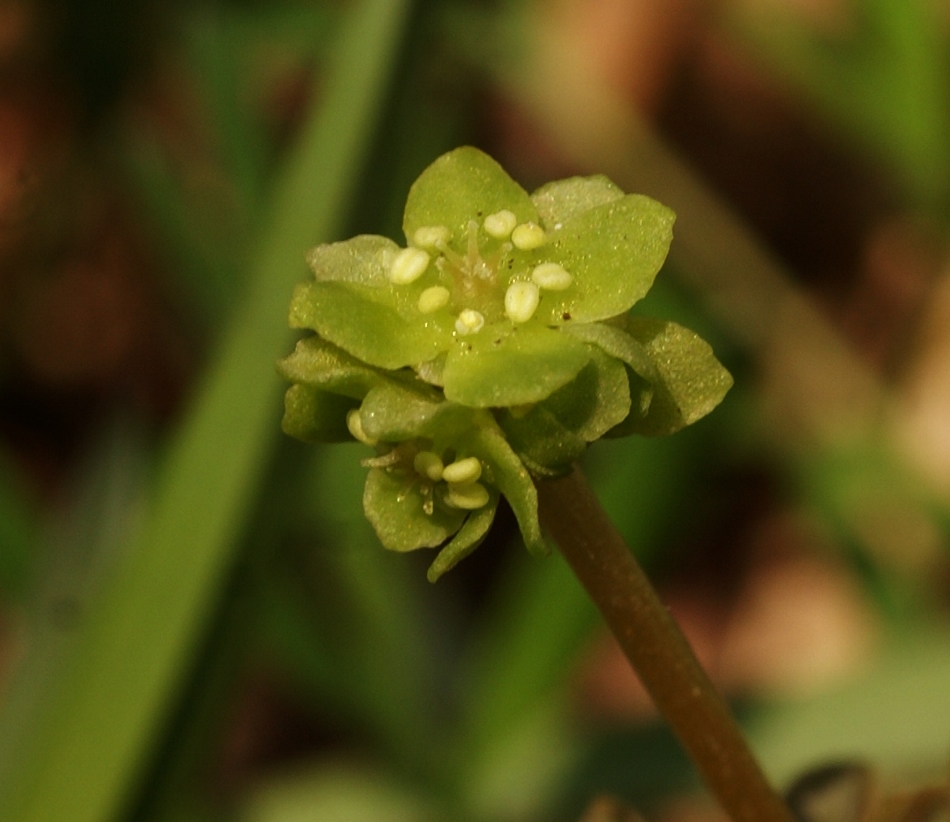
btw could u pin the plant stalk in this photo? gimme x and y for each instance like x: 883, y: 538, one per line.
x: 659, y: 653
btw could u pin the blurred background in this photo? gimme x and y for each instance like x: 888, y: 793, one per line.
x: 196, y: 624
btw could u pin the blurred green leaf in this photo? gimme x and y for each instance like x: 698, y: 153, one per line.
x: 893, y: 714
x: 886, y: 79
x: 88, y: 742
x: 337, y: 792
x: 352, y: 627
x: 18, y: 526
x: 512, y: 701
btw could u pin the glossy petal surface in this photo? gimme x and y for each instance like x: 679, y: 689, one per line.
x: 465, y: 184
x: 525, y: 366
x: 614, y: 252
x: 394, y: 507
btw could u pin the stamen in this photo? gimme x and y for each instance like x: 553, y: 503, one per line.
x: 429, y: 465
x: 500, y: 224
x: 467, y: 495
x: 355, y: 426
x: 464, y: 470
x: 431, y: 236
x: 528, y: 236
x: 521, y: 301
x: 551, y: 276
x: 433, y: 298
x: 469, y: 322
x: 408, y: 266
x: 388, y: 460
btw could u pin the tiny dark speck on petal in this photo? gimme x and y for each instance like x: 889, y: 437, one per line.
x: 566, y: 315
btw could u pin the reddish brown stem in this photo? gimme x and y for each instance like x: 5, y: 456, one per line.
x: 657, y: 650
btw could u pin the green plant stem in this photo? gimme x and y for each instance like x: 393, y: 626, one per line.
x: 657, y: 650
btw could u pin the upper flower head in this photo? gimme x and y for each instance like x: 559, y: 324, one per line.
x: 489, y: 275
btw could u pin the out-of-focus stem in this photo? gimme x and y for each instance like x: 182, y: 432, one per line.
x: 657, y: 650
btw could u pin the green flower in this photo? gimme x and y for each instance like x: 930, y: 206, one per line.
x: 491, y: 349
x: 487, y: 280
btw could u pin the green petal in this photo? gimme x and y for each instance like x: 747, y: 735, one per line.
x: 510, y: 476
x: 313, y: 415
x: 395, y: 510
x: 465, y: 184
x: 469, y: 537
x: 613, y: 252
x: 487, y: 370
x: 692, y: 381
x: 370, y: 323
x: 317, y: 363
x: 363, y: 259
x: 561, y: 200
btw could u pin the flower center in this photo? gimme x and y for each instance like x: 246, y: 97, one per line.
x: 469, y: 271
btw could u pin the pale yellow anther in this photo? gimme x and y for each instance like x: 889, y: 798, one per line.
x: 521, y: 301
x: 468, y: 469
x: 469, y: 321
x: 551, y: 276
x: 528, y: 236
x: 433, y: 298
x: 467, y: 495
x: 429, y: 465
x: 431, y: 236
x: 408, y: 266
x: 500, y: 224
x: 355, y: 425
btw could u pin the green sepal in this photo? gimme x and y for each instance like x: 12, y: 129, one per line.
x: 509, y: 474
x: 542, y: 442
x: 613, y: 252
x: 469, y: 537
x: 465, y: 184
x: 561, y: 200
x: 371, y: 323
x: 316, y: 416
x: 320, y: 364
x: 394, y: 413
x: 685, y: 378
x: 692, y: 381
x: 616, y: 342
x: 554, y: 433
x: 363, y: 259
x: 596, y: 400
x: 394, y: 507
x: 527, y: 365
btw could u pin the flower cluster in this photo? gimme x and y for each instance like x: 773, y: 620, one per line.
x: 491, y: 349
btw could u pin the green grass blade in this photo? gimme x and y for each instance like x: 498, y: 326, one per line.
x: 88, y: 744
